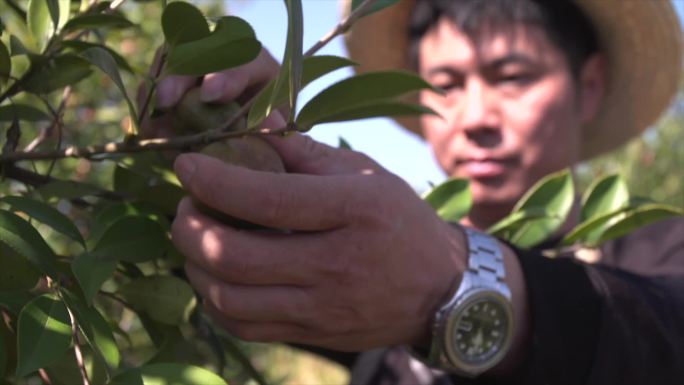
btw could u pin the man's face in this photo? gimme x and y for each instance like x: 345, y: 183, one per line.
x: 510, y: 114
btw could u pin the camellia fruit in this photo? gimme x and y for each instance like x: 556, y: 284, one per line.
x: 250, y: 151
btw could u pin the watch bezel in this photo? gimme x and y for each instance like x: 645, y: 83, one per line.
x: 466, y: 299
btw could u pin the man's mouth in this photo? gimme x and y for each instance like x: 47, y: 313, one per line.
x: 483, y: 168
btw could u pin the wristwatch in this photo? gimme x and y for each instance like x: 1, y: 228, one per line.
x: 472, y: 332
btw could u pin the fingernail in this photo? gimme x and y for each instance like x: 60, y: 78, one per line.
x: 185, y: 167
x: 168, y: 93
x: 212, y: 89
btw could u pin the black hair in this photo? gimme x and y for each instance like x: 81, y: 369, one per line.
x: 566, y: 26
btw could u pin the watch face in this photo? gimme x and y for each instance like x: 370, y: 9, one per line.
x: 480, y: 331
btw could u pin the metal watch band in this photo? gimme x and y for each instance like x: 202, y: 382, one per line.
x: 485, y: 271
x: 485, y: 262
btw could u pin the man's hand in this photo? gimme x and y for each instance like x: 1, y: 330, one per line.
x: 365, y: 262
x: 234, y: 84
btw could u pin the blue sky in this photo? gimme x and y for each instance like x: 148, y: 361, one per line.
x: 402, y: 153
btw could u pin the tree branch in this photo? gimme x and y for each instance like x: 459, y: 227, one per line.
x: 180, y: 142
x: 77, y: 348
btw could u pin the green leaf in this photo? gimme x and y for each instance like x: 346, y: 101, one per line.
x: 150, y: 189
x: 103, y: 20
x: 79, y: 46
x: 589, y: 231
x: 96, y: 330
x: 377, y: 6
x: 555, y: 194
x: 44, y: 334
x: 452, y: 199
x: 18, y: 48
x: 357, y: 92
x: 182, y: 23
x: 15, y: 300
x: 604, y: 196
x: 91, y: 272
x: 22, y: 112
x: 20, y: 236
x: 59, y: 13
x: 103, y: 218
x: 5, y: 63
x: 515, y: 220
x: 291, y: 72
x: 168, y: 374
x: 312, y: 68
x: 165, y: 299
x: 46, y: 214
x: 39, y: 23
x: 104, y: 61
x: 109, y: 213
x: 639, y: 217
x: 16, y: 272
x: 342, y: 143
x: 231, y: 44
x: 132, y: 239
x: 66, y: 190
x: 372, y: 110
x: 62, y: 71
x: 64, y: 13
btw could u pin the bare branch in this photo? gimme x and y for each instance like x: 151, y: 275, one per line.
x: 77, y: 348
x: 342, y: 27
x: 177, y: 143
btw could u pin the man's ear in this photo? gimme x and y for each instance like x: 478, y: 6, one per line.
x: 592, y: 85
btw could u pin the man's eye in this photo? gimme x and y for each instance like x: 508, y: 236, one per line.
x: 517, y: 78
x: 448, y: 86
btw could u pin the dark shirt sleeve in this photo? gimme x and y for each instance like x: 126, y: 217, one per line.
x: 620, y: 321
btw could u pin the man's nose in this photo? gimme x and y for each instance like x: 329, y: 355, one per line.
x: 477, y: 110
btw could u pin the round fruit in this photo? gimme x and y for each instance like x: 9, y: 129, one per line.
x: 193, y: 115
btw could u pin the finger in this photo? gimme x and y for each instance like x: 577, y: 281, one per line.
x: 303, y: 154
x: 251, y: 302
x: 244, y: 257
x: 230, y: 84
x: 259, y: 331
x: 171, y: 89
x: 277, y: 200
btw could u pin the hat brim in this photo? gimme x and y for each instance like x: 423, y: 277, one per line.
x: 641, y: 40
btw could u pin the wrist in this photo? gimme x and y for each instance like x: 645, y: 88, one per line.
x: 473, y: 330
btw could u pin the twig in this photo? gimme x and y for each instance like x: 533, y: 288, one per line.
x: 46, y: 132
x: 342, y: 27
x: 181, y: 142
x: 156, y: 72
x: 44, y: 376
x: 36, y: 180
x: 77, y: 348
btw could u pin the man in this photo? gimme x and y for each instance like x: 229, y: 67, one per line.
x: 369, y: 265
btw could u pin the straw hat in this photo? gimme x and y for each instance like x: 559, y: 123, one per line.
x: 642, y: 41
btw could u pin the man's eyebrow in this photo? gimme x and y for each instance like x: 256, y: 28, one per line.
x: 444, y: 68
x: 511, y: 58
